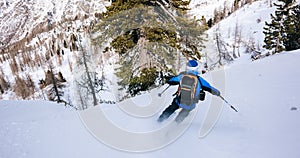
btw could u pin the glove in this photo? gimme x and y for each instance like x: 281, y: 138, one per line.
x: 165, y: 79
x: 168, y: 78
x: 172, y: 82
x: 215, y: 92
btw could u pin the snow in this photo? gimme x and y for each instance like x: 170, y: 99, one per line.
x: 248, y: 21
x: 206, y: 8
x: 14, y: 28
x: 263, y: 91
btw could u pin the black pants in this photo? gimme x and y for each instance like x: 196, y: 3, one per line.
x: 171, y: 109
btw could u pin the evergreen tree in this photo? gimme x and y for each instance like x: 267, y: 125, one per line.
x: 276, y: 32
x: 291, y: 39
x: 273, y: 35
x: 149, y: 36
x: 273, y: 31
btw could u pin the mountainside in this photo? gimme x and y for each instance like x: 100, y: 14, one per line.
x: 237, y: 35
x: 22, y: 22
x: 66, y: 51
x: 38, y: 36
x: 266, y: 125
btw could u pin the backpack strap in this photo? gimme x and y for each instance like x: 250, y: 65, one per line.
x: 178, y: 89
x: 199, y: 80
x: 202, y: 92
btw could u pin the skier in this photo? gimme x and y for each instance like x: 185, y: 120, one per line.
x: 190, y: 90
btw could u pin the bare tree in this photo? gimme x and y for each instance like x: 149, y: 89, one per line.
x: 237, y: 41
x: 23, y: 88
x: 54, y: 82
x: 89, y: 81
x: 54, y: 85
x: 4, y: 84
x: 223, y: 53
x: 270, y: 3
x: 86, y: 82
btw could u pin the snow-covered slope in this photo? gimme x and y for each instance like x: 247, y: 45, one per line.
x: 37, y: 34
x: 34, y: 28
x: 22, y: 19
x: 248, y: 22
x: 265, y: 92
x: 241, y: 32
x: 206, y: 8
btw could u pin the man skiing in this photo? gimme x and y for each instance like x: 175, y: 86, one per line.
x: 190, y: 91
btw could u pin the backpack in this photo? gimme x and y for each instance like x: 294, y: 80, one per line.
x: 188, y: 87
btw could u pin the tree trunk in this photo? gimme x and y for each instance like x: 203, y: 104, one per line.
x: 90, y: 82
x: 219, y: 48
x: 54, y: 84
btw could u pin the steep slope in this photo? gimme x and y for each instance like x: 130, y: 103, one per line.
x: 38, y: 34
x: 239, y: 35
x: 22, y: 21
x: 264, y: 92
x: 206, y: 9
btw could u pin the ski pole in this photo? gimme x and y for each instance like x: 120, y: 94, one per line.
x: 232, y: 107
x: 159, y: 94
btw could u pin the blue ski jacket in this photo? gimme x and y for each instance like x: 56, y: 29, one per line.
x: 203, y: 84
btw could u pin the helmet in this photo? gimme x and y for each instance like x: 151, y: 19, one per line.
x: 192, y: 65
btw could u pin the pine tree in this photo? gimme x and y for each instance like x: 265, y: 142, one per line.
x: 273, y: 35
x: 282, y: 33
x: 291, y: 39
x: 149, y: 35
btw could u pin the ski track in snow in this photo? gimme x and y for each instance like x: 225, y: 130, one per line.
x: 263, y: 91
